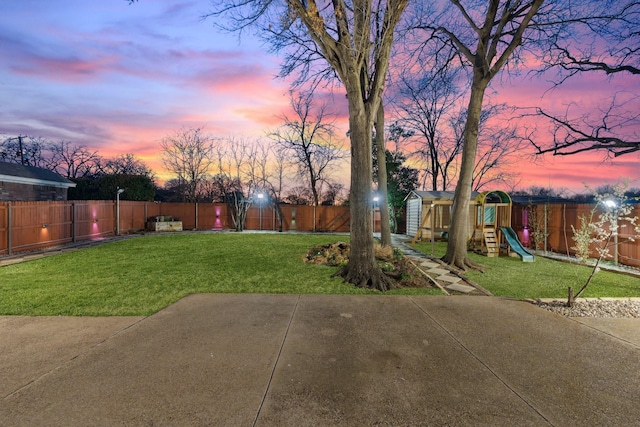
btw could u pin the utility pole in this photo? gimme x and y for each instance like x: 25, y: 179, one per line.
x: 21, y: 150
x: 20, y: 147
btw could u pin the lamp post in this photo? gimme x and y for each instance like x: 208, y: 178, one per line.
x: 260, y: 197
x: 118, y: 193
x: 376, y: 199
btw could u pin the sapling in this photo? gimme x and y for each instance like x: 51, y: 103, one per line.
x: 582, y: 236
x: 614, y: 212
x: 539, y: 225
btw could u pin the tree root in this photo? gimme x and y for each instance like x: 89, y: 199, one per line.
x: 463, y: 263
x: 370, y: 278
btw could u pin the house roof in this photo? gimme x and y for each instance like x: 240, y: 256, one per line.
x: 21, y: 174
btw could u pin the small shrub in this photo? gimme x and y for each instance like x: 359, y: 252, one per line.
x: 582, y: 237
x: 537, y: 222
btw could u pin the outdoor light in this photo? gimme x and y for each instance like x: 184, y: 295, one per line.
x: 610, y: 203
x: 45, y: 225
x: 376, y: 199
x: 118, y: 193
x: 95, y: 220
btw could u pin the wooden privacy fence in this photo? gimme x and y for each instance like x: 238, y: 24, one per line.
x: 560, y: 218
x: 28, y: 226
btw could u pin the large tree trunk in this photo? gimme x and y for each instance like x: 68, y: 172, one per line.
x: 456, y: 255
x: 278, y: 212
x: 362, y: 269
x: 385, y: 226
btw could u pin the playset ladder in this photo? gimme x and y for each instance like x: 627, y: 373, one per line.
x: 491, y: 242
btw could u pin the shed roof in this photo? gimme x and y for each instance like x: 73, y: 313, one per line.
x: 436, y: 195
x: 21, y: 174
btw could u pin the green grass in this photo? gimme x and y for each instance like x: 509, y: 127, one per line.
x: 143, y: 275
x: 138, y: 277
x: 543, y: 278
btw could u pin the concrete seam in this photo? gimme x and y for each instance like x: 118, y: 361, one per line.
x: 275, y: 365
x: 577, y: 320
x: 526, y: 402
x: 65, y: 363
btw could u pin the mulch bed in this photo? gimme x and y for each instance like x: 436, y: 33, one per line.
x: 391, y: 261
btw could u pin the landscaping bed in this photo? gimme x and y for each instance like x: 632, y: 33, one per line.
x: 390, y: 260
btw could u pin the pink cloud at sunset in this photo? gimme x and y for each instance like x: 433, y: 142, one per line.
x: 118, y: 78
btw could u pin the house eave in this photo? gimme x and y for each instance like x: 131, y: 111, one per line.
x: 33, y: 181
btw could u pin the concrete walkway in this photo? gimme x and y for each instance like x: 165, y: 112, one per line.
x: 313, y: 360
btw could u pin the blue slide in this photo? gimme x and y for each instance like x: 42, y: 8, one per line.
x: 516, y: 246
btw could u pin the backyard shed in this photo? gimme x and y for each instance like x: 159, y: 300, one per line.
x: 29, y: 183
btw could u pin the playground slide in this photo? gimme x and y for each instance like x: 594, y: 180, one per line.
x: 516, y: 246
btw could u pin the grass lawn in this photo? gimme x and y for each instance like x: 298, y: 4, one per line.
x: 543, y: 278
x: 143, y: 275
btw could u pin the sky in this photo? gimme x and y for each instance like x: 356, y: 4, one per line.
x: 118, y: 78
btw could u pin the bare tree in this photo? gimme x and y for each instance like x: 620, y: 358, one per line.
x: 273, y: 170
x: 498, y: 148
x: 608, y: 41
x: 73, y: 160
x: 126, y: 164
x: 428, y: 108
x: 237, y: 164
x: 485, y: 36
x: 612, y: 130
x: 608, y: 45
x: 355, y: 39
x: 188, y: 153
x: 25, y: 150
x: 299, y: 195
x: 308, y: 139
x: 333, y: 194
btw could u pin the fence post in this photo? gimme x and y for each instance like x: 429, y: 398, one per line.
x: 196, y: 212
x: 9, y: 234
x: 546, y: 219
x: 73, y: 222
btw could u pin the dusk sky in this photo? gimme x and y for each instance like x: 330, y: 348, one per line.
x: 118, y: 78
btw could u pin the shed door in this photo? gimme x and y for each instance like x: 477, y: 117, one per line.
x: 414, y: 212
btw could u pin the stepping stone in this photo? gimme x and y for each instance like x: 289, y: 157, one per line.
x: 459, y: 287
x: 437, y: 271
x: 449, y: 278
x: 429, y: 264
